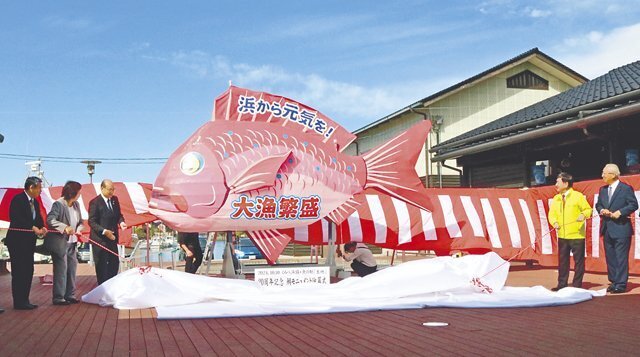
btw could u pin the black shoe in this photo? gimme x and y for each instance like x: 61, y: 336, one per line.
x: 61, y: 302
x: 558, y: 288
x: 25, y: 307
x: 618, y: 291
x: 610, y: 288
x: 73, y: 300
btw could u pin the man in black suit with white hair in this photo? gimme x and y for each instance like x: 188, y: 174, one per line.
x: 105, y: 220
x: 616, y: 201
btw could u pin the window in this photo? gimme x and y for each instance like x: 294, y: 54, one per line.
x: 527, y: 80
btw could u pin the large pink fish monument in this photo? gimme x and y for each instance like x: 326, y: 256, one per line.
x: 265, y: 162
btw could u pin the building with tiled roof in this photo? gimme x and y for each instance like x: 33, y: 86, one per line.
x: 521, y: 81
x: 578, y: 130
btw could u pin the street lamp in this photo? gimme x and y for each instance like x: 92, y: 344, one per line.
x: 91, y: 168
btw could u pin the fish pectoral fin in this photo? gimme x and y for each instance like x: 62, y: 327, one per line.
x: 259, y: 174
x: 345, y: 210
x: 270, y: 242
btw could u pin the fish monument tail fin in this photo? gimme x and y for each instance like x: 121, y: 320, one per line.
x: 391, y: 166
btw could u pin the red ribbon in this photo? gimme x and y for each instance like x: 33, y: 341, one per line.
x: 477, y: 282
x: 80, y: 234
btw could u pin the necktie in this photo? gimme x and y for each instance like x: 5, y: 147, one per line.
x: 610, y: 193
x: 33, y: 209
x: 109, y: 205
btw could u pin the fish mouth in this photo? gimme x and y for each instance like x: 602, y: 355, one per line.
x: 210, y: 203
x: 163, y: 199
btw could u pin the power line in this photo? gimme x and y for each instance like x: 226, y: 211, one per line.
x: 106, y: 160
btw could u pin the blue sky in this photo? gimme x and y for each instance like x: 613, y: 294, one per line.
x: 133, y: 79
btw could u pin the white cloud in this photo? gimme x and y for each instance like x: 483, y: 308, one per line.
x: 578, y: 8
x: 304, y: 27
x: 585, y: 41
x: 68, y: 23
x: 139, y: 46
x: 493, y: 6
x: 566, y: 9
x: 361, y: 30
x: 351, y: 104
x: 535, y: 13
x: 595, y: 53
x: 613, y: 9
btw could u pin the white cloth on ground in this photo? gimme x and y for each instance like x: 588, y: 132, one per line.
x: 437, y: 282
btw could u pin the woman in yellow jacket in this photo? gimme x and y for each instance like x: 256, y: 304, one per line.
x: 567, y: 214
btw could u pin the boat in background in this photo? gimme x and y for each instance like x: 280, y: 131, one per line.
x: 155, y: 242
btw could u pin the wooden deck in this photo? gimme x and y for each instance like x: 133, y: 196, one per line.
x: 603, y: 326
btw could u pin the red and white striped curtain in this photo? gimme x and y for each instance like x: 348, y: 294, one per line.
x: 511, y: 222
x: 508, y: 221
x: 133, y: 197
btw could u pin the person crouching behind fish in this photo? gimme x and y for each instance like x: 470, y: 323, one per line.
x: 361, y: 258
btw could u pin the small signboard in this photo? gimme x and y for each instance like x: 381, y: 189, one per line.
x: 292, y: 276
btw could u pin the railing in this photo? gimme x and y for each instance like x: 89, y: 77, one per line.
x: 171, y: 254
x: 128, y: 264
x: 139, y: 255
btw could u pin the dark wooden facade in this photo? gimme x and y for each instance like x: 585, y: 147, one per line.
x: 583, y: 152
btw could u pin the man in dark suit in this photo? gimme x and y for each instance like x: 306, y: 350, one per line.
x: 26, y: 224
x: 616, y: 201
x: 105, y: 219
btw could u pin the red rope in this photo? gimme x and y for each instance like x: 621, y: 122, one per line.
x: 141, y: 269
x: 88, y: 238
x: 484, y: 287
x: 478, y: 282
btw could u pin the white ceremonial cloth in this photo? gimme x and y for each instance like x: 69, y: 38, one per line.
x: 436, y: 282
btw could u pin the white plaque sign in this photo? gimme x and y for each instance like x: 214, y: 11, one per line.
x: 292, y: 276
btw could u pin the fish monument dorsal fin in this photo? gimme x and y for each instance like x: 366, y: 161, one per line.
x: 241, y: 104
x: 259, y: 174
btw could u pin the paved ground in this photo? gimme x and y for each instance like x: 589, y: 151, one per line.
x: 603, y: 326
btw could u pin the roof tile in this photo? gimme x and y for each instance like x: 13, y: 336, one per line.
x: 616, y: 82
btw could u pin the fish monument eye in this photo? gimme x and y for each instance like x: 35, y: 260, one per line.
x: 192, y: 163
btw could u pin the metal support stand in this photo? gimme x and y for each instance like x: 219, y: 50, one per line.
x: 228, y: 270
x: 148, y: 246
x: 207, y: 256
x: 122, y: 253
x: 91, y: 255
x: 331, y: 255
